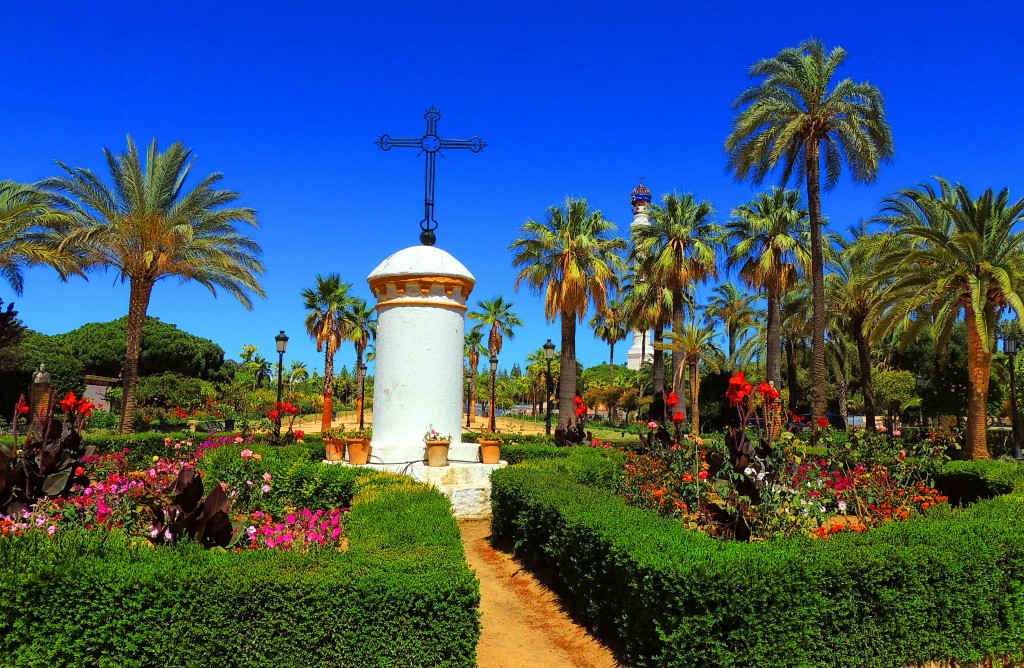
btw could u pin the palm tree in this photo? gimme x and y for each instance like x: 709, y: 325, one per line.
x: 363, y: 328
x: 572, y: 260
x: 796, y: 327
x: 769, y: 239
x: 496, y: 314
x: 474, y: 348
x: 960, y: 256
x: 649, y: 306
x: 297, y: 372
x: 148, y: 227
x: 734, y: 308
x: 328, y: 322
x: 796, y: 116
x: 853, y: 290
x: 21, y: 208
x: 610, y: 326
x: 696, y: 344
x: 677, y: 250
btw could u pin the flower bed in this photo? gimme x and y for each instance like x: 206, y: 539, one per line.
x: 946, y: 586
x: 107, y: 568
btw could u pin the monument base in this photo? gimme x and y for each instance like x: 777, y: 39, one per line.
x: 467, y: 485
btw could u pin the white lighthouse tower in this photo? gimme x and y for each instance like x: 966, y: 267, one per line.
x: 640, y: 199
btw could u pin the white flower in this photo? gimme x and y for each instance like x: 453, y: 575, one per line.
x: 842, y: 506
x: 749, y: 471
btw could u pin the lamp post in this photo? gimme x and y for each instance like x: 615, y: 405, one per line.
x: 1010, y: 348
x: 282, y: 344
x: 549, y: 354
x: 362, y: 380
x: 919, y: 383
x: 494, y: 370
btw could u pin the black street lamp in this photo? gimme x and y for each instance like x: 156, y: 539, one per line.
x: 494, y: 370
x: 282, y: 344
x: 1010, y: 348
x: 362, y: 384
x: 549, y: 354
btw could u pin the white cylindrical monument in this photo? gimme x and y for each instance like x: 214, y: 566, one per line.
x: 421, y: 296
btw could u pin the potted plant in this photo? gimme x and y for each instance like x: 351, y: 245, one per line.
x: 437, y: 447
x: 358, y: 443
x: 490, y: 446
x: 334, y: 444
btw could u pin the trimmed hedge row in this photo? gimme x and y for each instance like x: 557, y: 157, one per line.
x: 401, y: 595
x: 949, y: 586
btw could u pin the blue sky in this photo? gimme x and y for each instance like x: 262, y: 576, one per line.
x: 572, y: 99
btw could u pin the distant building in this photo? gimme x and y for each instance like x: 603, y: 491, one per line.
x: 96, y: 390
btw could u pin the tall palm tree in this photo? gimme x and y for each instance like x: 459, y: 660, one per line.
x: 796, y: 115
x: 696, y: 343
x: 734, y: 308
x: 677, y: 250
x: 609, y: 325
x: 769, y: 239
x: 363, y: 328
x: 148, y: 227
x: 960, y: 256
x: 649, y: 306
x: 573, y: 261
x: 328, y: 322
x: 497, y: 314
x: 474, y: 347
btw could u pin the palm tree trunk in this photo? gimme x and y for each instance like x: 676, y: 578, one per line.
x: 694, y: 396
x: 471, y: 413
x: 791, y: 382
x: 138, y: 304
x: 567, y: 374
x: 841, y: 390
x: 359, y: 383
x: 819, y: 396
x: 731, y: 329
x: 325, y: 418
x: 773, y: 356
x: 677, y: 355
x: 866, y: 387
x: 979, y: 369
x: 658, y: 366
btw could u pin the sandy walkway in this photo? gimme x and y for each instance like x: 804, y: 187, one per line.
x: 523, y: 623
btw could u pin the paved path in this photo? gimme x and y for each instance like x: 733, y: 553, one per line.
x: 523, y: 623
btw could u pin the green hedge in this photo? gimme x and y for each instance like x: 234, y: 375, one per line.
x: 949, y: 586
x: 401, y: 595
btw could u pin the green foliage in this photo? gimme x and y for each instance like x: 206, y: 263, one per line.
x: 101, y: 348
x: 67, y: 373
x: 402, y: 595
x: 948, y: 586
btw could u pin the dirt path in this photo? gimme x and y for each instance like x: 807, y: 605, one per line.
x: 523, y: 624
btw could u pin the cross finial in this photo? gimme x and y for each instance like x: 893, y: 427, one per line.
x: 430, y: 144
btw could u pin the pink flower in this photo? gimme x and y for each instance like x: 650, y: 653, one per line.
x: 897, y: 432
x: 652, y: 425
x: 267, y: 477
x: 247, y: 454
x: 290, y: 519
x: 265, y: 488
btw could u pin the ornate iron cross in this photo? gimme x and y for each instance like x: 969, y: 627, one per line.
x: 430, y: 144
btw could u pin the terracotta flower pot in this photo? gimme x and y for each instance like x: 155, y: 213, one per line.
x: 490, y: 452
x: 335, y: 449
x: 437, y: 453
x: 358, y: 451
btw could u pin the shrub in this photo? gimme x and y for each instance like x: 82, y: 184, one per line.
x: 401, y: 595
x: 949, y: 586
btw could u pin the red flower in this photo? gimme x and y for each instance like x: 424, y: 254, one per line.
x: 687, y: 477
x: 581, y: 408
x: 678, y: 417
x: 703, y: 475
x: 768, y: 391
x: 69, y: 403
x: 21, y: 407
x: 672, y: 401
x: 299, y: 434
x: 738, y: 390
x: 85, y: 407
x: 79, y: 471
x: 822, y: 422
x: 273, y: 415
